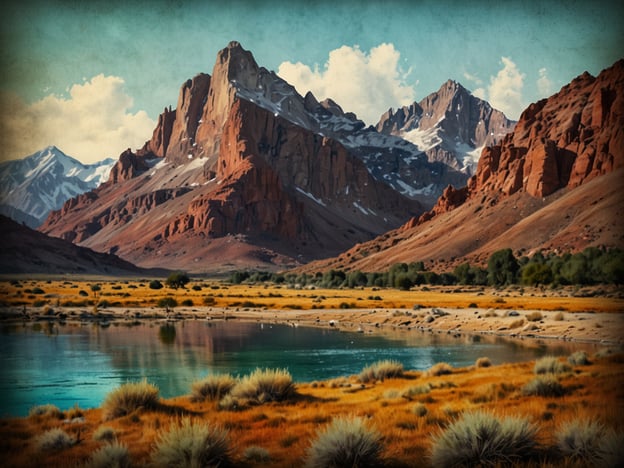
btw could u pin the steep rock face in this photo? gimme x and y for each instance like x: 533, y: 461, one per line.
x: 553, y: 185
x: 563, y: 141
x: 451, y: 126
x: 239, y: 169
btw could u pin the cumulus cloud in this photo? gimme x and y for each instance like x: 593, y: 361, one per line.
x: 505, y: 89
x: 364, y: 83
x: 93, y: 123
x: 544, y: 85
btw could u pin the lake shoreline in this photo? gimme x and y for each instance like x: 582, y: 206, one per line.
x: 605, y: 328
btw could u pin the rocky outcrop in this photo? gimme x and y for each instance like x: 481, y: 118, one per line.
x: 560, y: 142
x: 127, y: 167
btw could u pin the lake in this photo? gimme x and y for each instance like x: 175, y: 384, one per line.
x: 69, y: 365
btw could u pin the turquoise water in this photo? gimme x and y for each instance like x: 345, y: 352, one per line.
x: 79, y: 364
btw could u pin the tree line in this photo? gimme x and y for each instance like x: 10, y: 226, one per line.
x: 593, y: 265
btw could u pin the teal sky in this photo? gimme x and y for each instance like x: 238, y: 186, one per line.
x: 153, y: 47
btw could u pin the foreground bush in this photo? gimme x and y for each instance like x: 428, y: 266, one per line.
x: 192, y: 444
x: 579, y: 358
x: 54, y: 439
x: 590, y: 444
x: 346, y: 442
x: 483, y: 362
x: 441, y: 368
x: 480, y: 439
x: 381, y: 370
x: 129, y: 397
x: 104, y: 434
x: 544, y: 386
x: 264, y: 385
x: 212, y: 387
x: 113, y: 455
x: 48, y: 410
x: 550, y: 365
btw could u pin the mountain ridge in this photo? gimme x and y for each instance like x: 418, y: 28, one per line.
x: 43, y: 181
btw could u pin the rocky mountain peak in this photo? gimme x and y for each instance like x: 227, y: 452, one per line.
x: 451, y: 126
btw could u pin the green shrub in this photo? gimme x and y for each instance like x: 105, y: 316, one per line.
x: 54, y: 439
x: 167, y: 303
x: 441, y: 368
x: 544, y: 386
x: 177, y: 279
x: 128, y: 398
x: 381, y: 370
x: 192, y: 444
x: 579, y: 441
x: 264, y: 385
x: 47, y: 410
x: 550, y: 365
x: 346, y: 442
x: 155, y: 284
x: 579, y: 358
x: 104, y: 434
x: 212, y: 387
x: 187, y: 303
x: 480, y: 439
x: 113, y: 455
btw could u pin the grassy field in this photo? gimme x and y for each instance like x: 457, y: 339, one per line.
x: 137, y: 293
x: 407, y: 412
x: 573, y: 406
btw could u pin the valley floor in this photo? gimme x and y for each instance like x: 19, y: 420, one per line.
x: 408, y: 411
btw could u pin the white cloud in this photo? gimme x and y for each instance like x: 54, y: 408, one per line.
x: 367, y: 84
x: 93, y: 123
x: 544, y: 85
x: 505, y: 89
x: 474, y: 78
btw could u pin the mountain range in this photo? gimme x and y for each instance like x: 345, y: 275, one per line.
x: 247, y: 173
x: 32, y: 187
x: 554, y: 185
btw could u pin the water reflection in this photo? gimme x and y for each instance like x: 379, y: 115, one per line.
x: 69, y: 364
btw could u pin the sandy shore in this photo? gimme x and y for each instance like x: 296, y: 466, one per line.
x: 601, y: 328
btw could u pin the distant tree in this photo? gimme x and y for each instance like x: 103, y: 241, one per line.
x: 95, y: 289
x: 178, y: 279
x: 502, y: 268
x: 536, y: 273
x: 155, y: 284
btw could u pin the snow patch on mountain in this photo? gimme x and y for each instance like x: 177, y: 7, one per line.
x: 43, y: 181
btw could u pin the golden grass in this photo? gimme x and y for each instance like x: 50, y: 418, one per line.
x: 136, y: 293
x: 286, y: 430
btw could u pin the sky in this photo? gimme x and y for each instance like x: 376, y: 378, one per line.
x: 92, y: 77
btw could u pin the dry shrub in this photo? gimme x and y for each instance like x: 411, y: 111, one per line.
x: 128, y: 398
x: 550, y: 365
x: 441, y: 368
x: 480, y: 439
x: 104, y: 433
x: 381, y: 370
x: 516, y: 323
x: 579, y: 358
x: 54, y: 439
x: 345, y: 442
x: 415, y: 390
x: 544, y: 386
x: 419, y: 410
x: 490, y: 313
x: 212, y: 387
x: 192, y: 444
x: 611, y: 449
x: 49, y: 410
x: 113, y: 455
x: 483, y: 362
x: 256, y: 454
x: 579, y: 440
x: 264, y: 385
x: 558, y: 317
x: 534, y: 316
